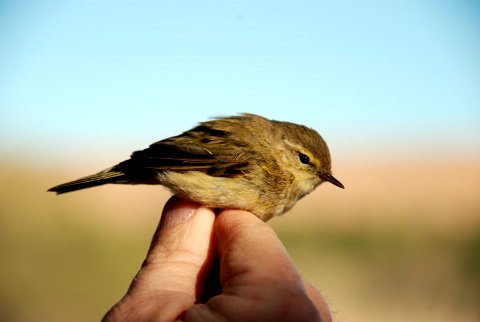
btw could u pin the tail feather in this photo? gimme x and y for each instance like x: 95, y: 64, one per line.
x: 93, y: 180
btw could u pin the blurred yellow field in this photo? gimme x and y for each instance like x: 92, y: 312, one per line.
x: 400, y: 243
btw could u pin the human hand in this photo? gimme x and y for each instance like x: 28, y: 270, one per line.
x: 257, y: 279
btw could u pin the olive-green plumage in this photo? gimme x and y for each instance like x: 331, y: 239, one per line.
x: 240, y: 162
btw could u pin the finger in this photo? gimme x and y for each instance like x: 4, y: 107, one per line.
x: 319, y: 301
x: 166, y: 284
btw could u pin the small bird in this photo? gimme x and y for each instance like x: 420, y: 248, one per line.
x: 243, y: 162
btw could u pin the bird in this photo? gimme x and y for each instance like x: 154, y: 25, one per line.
x: 245, y: 162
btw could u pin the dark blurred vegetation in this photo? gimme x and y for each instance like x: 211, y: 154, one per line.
x: 69, y: 258
x: 395, y: 271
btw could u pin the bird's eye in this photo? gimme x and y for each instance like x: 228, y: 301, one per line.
x: 303, y: 158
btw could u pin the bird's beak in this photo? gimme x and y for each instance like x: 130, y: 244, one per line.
x: 330, y: 178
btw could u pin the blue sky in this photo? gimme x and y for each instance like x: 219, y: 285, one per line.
x: 97, y: 79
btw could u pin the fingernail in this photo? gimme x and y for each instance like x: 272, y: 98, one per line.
x: 177, y: 211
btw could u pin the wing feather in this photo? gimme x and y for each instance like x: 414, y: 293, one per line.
x: 181, y: 154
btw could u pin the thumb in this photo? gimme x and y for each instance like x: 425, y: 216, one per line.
x: 259, y: 280
x: 248, y: 247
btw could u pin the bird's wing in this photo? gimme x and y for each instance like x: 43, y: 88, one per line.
x: 182, y: 155
x: 164, y: 155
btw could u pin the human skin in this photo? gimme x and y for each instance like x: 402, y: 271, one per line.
x: 226, y: 267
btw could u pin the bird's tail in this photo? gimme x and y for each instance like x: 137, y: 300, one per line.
x: 103, y: 177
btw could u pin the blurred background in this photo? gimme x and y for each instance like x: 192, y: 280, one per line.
x: 393, y: 86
